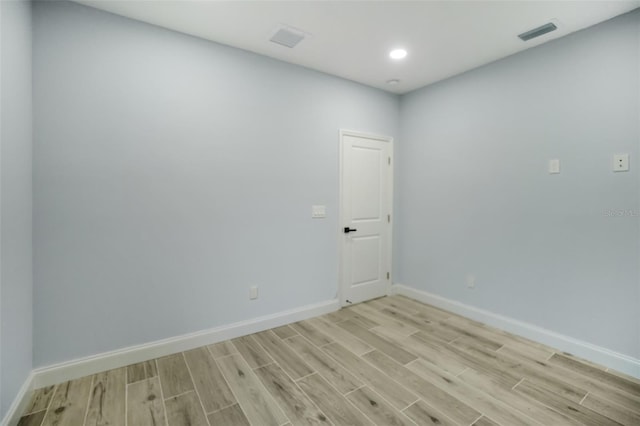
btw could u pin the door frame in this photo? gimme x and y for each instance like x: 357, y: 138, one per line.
x: 341, y: 241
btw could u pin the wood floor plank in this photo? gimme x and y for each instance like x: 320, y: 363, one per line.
x: 229, y: 416
x: 335, y: 316
x: 141, y: 371
x: 283, y: 354
x: 575, y: 379
x: 341, y: 336
x: 33, y: 419
x: 622, y: 375
x: 252, y: 352
x: 150, y: 368
x: 616, y: 396
x: 423, y: 414
x: 257, y: 404
x: 563, y: 405
x: 107, y: 401
x: 144, y: 403
x: 584, y: 361
x: 332, y: 404
x: 174, y: 375
x: 628, y: 401
x: 482, y: 402
x: 399, y: 327
x: 481, y: 361
x: 331, y: 370
x: 540, y: 351
x: 613, y: 411
x: 376, y: 408
x: 457, y: 410
x: 478, y: 328
x: 378, y: 342
x: 135, y: 373
x: 346, y: 314
x: 473, y: 335
x: 535, y: 352
x: 433, y: 353
x: 595, y: 373
x: 432, y: 328
x: 308, y: 330
x: 284, y: 332
x: 185, y: 410
x: 294, y: 402
x: 398, y: 303
x: 522, y: 340
x: 485, y: 421
x: 532, y: 408
x: 210, y: 384
x: 424, y: 309
x: 69, y: 403
x: 221, y: 349
x: 518, y: 367
x: 495, y: 336
x: 392, y: 391
x: 594, y: 386
x: 40, y: 399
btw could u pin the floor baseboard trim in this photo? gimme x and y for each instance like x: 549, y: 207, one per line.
x: 58, y: 373
x: 19, y: 404
x: 588, y: 351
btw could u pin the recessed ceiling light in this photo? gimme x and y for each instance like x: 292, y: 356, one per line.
x: 398, y: 54
x: 393, y: 82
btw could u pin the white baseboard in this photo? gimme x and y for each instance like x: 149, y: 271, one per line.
x: 19, y: 404
x: 588, y: 351
x: 58, y: 373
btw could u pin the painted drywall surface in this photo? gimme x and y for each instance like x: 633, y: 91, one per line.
x: 15, y: 200
x: 476, y: 198
x: 171, y: 174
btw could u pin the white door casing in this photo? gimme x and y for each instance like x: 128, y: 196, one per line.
x: 366, y: 200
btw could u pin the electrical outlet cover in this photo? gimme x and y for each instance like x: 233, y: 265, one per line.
x: 621, y: 163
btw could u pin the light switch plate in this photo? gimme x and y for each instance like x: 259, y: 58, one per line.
x: 318, y: 212
x: 554, y: 166
x: 621, y: 163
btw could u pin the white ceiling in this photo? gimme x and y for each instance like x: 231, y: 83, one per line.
x: 351, y: 39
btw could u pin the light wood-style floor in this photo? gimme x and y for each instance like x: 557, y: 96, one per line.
x: 391, y: 361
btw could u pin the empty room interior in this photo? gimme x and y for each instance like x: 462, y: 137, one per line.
x: 319, y: 212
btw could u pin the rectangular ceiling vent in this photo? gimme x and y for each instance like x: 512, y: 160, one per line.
x: 287, y: 36
x: 537, y: 32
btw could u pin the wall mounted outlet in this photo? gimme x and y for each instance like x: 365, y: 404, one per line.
x: 471, y: 281
x: 621, y: 163
x: 554, y: 166
x: 253, y: 292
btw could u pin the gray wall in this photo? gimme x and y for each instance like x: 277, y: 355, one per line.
x: 172, y: 173
x: 15, y: 200
x: 476, y: 196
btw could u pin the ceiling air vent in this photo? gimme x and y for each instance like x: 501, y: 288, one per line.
x: 537, y: 32
x: 287, y: 36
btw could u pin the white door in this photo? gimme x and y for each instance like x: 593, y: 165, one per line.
x: 365, y: 210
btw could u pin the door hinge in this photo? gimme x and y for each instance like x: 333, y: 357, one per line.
x: 388, y: 218
x: 389, y: 160
x: 388, y: 275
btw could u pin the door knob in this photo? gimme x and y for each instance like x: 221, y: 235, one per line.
x: 347, y: 230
